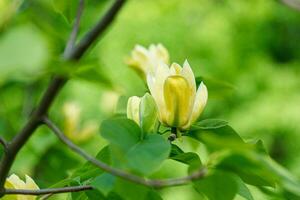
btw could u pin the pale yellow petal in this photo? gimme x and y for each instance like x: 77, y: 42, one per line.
x: 175, y: 69
x: 177, y: 98
x: 199, y: 105
x: 16, y: 181
x: 30, y: 185
x: 71, y: 112
x: 188, y: 74
x: 133, y: 109
x: 162, y: 53
x: 156, y: 85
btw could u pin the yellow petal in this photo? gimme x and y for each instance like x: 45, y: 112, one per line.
x: 138, y: 60
x: 199, y: 104
x: 16, y: 182
x: 30, y: 185
x: 133, y: 105
x: 177, y: 99
x: 188, y: 74
x: 71, y: 113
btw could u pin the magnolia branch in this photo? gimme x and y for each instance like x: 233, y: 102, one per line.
x: 52, y: 91
x: 48, y: 191
x: 130, y: 177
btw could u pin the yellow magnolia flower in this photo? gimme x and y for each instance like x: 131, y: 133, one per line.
x: 174, y: 90
x: 72, y: 112
x: 14, y: 182
x: 143, y: 111
x: 145, y: 61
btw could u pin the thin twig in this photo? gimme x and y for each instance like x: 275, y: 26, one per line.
x: 52, y: 91
x: 131, y: 177
x: 73, y: 35
x: 48, y: 191
x: 99, y: 28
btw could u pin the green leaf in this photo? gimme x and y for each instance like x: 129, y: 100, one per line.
x: 147, y: 155
x: 217, y: 135
x: 189, y: 158
x: 94, y: 194
x: 17, y: 60
x: 104, y: 183
x: 209, y: 124
x: 132, y: 191
x: 243, y: 189
x: 218, y: 186
x: 153, y: 195
x: 121, y: 132
x: 128, y: 148
x: 248, y: 165
x: 258, y: 169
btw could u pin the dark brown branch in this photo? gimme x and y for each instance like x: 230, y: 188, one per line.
x: 52, y: 91
x: 131, y: 177
x: 73, y: 36
x: 48, y: 191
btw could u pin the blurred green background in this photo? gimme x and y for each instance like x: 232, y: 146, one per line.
x: 247, y: 51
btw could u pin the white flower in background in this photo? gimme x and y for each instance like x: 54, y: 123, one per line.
x: 14, y: 182
x: 72, y: 113
x: 145, y: 61
x: 109, y: 101
x: 174, y: 90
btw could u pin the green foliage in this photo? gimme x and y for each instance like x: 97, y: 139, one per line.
x: 189, y: 158
x: 249, y: 161
x: 248, y: 60
x: 66, y: 8
x: 142, y: 153
x: 27, y: 61
x: 219, y: 186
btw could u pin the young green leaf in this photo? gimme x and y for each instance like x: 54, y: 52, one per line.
x: 147, y: 155
x: 130, y: 150
x: 121, y: 132
x: 104, y: 183
x: 218, y: 186
x: 190, y: 158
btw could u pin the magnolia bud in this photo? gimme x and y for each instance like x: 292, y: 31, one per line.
x: 143, y: 111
